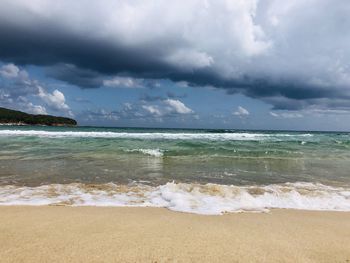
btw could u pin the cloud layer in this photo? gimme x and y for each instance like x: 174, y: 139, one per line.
x: 143, y: 112
x: 294, y: 55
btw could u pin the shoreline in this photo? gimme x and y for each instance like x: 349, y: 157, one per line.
x: 125, y: 234
x: 209, y: 199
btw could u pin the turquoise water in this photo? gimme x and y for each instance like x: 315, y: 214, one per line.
x: 32, y: 157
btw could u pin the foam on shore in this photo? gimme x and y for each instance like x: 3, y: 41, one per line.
x: 211, y: 199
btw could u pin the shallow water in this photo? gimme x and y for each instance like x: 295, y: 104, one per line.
x: 181, y: 160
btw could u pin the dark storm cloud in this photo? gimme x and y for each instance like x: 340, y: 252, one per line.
x: 69, y: 73
x: 294, y: 95
x: 262, y: 51
x: 50, y: 45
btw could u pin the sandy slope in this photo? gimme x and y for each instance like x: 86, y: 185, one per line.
x: 89, y: 234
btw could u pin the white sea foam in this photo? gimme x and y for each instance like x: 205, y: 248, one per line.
x: 154, y: 135
x: 211, y: 199
x: 151, y: 152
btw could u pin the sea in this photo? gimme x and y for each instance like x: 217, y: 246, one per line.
x: 208, y: 172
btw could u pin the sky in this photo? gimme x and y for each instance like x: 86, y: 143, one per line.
x: 231, y: 64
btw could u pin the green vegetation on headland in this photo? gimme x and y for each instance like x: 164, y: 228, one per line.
x: 13, y: 117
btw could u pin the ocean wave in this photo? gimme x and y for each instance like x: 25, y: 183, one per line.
x: 210, y: 199
x: 151, y: 152
x: 156, y: 135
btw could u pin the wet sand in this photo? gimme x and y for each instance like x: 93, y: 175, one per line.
x: 96, y: 234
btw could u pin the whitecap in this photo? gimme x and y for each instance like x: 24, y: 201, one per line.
x: 151, y: 152
x: 155, y: 135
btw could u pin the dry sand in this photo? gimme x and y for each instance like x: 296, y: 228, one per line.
x: 91, y: 234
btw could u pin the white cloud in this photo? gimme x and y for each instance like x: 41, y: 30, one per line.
x: 286, y: 115
x: 35, y: 109
x: 153, y: 109
x: 167, y: 107
x: 127, y: 106
x: 182, y: 84
x: 177, y: 106
x: 9, y: 71
x: 190, y: 59
x: 241, y: 112
x: 56, y: 99
x: 19, y: 91
x: 123, y: 82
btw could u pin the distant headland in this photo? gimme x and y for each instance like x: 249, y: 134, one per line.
x: 13, y: 117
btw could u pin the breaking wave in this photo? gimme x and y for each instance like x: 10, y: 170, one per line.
x: 151, y: 152
x: 210, y: 199
x: 156, y: 135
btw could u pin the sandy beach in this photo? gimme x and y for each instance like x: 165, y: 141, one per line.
x: 91, y: 234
